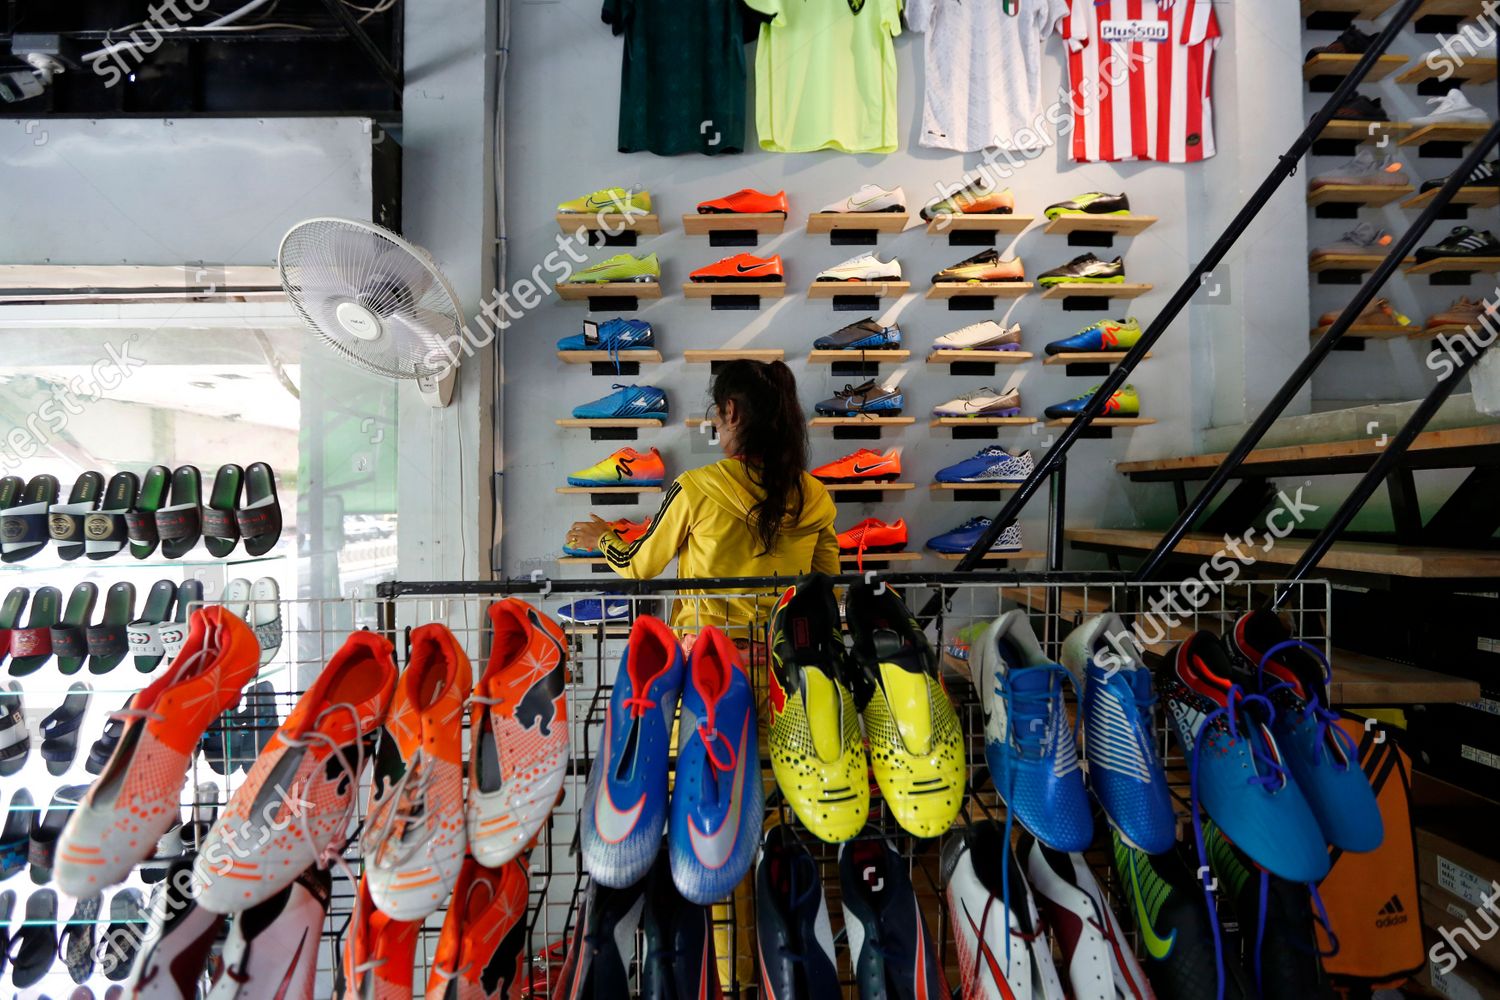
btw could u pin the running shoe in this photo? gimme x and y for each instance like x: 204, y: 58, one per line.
x: 645, y: 402
x: 1003, y: 950
x: 1452, y: 108
x: 379, y: 951
x: 1125, y: 402
x: 985, y: 336
x: 817, y: 752
x: 1367, y: 168
x: 1377, y: 313
x: 625, y: 803
x: 717, y: 799
x: 1090, y: 203
x: 1096, y: 954
x: 870, y: 198
x: 862, y: 466
x: 138, y: 796
x: 1029, y: 744
x: 272, y: 950
x: 602, y: 945
x: 414, y: 839
x: 481, y: 949
x: 890, y: 950
x: 1463, y: 312
x: 985, y: 402
x: 862, y: 267
x: 741, y: 267
x: 747, y: 201
x: 866, y: 335
x: 1085, y: 269
x: 793, y: 938
x: 1362, y: 239
x: 916, y: 745
x: 177, y: 945
x: 1235, y: 762
x: 974, y: 198
x: 874, y: 535
x: 1483, y: 175
x: 627, y: 530
x: 626, y: 467
x: 1125, y: 770
x: 986, y: 265
x: 294, y: 808
x: 992, y: 464
x: 678, y: 960
x: 867, y: 397
x: 1463, y: 241
x: 1321, y: 757
x: 610, y: 200
x: 595, y: 611
x: 1105, y: 335
x: 613, y: 335
x: 518, y: 732
x: 620, y: 267
x: 1351, y: 41
x: 964, y: 537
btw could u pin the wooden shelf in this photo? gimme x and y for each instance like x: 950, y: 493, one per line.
x: 972, y: 487
x: 1359, y: 130
x: 708, y: 289
x: 1442, y: 328
x: 1474, y: 71
x: 648, y: 224
x: 610, y: 422
x: 1486, y: 265
x: 938, y: 225
x: 1364, y: 10
x: 1373, y: 195
x: 1088, y: 358
x: 948, y: 357
x: 856, y: 357
x: 708, y: 357
x: 1341, y: 64
x: 1373, y: 331
x: 582, y: 561
x: 701, y: 224
x: 861, y: 421
x: 1119, y: 225
x: 851, y: 559
x: 608, y: 490
x: 1464, y: 132
x: 1449, y: 8
x: 1487, y: 197
x: 1362, y: 679
x: 870, y: 487
x: 1105, y: 421
x: 575, y: 291
x: 982, y: 421
x: 879, y: 289
x: 881, y: 222
x: 979, y: 289
x: 996, y: 556
x: 1082, y: 290
x: 645, y: 357
x: 1344, y: 262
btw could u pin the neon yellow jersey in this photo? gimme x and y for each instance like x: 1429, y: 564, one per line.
x: 825, y: 75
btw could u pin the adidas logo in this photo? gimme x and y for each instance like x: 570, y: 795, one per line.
x: 1392, y: 914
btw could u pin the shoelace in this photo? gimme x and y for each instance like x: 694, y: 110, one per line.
x: 333, y: 852
x: 1315, y: 712
x: 400, y: 806
x: 708, y: 732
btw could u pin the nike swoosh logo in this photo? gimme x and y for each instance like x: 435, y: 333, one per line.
x: 713, y: 850
x: 867, y: 201
x: 861, y: 469
x: 286, y: 983
x: 1157, y: 947
x: 612, y: 824
x: 591, y: 203
x: 989, y: 956
x: 744, y: 269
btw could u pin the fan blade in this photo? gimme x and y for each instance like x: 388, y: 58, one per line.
x: 423, y: 338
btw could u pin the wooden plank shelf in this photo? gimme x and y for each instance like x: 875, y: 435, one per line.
x: 704, y: 223
x: 856, y: 357
x: 582, y: 561
x: 979, y: 289
x: 645, y: 357
x: 1468, y: 265
x: 941, y: 488
x: 1341, y: 64
x: 1474, y: 194
x: 576, y: 291
x: 861, y: 421
x: 1473, y: 70
x: 1371, y: 195
x: 1461, y: 133
x: 941, y: 225
x: 607, y: 490
x: 1363, y: 10
x: 1359, y: 130
x: 1118, y: 225
x: 1017, y: 556
x: 1089, y: 290
x: 708, y: 357
x: 851, y: 559
x: 982, y: 421
x: 708, y: 289
x: 880, y: 222
x: 1449, y: 328
x: 863, y: 289
x: 869, y: 487
x: 609, y: 422
x: 1087, y: 358
x: 1360, y: 262
x: 646, y: 224
x: 1106, y: 421
x: 950, y: 357
x: 1373, y: 331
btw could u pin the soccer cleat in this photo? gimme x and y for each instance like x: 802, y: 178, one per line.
x: 414, y: 838
x: 1105, y: 335
x: 645, y: 402
x: 985, y: 402
x: 1003, y: 951
x: 627, y: 530
x: 985, y: 336
x: 137, y: 797
x: 867, y: 397
x: 1322, y: 759
x: 1029, y: 743
x: 862, y: 336
x: 1365, y: 169
x: 1351, y: 41
x: 992, y: 464
x: 862, y: 466
x: 864, y: 267
x: 620, y: 267
x: 916, y: 745
x: 595, y: 610
x: 626, y: 467
x: 986, y: 265
x: 1235, y: 762
x: 1461, y: 242
x: 874, y: 535
x: 518, y: 733
x: 891, y: 952
x: 613, y: 201
x: 625, y: 803
x: 1452, y: 108
x: 964, y: 537
x: 378, y: 952
x: 1377, y: 313
x: 741, y: 267
x: 793, y: 938
x: 1085, y: 269
x: 1090, y: 203
x: 613, y: 335
x: 481, y: 950
x: 817, y: 752
x: 1124, y: 767
x: 1463, y: 312
x: 597, y: 966
x: 1096, y: 955
x: 272, y: 950
x: 746, y: 202
x: 677, y: 956
x: 974, y: 198
x: 294, y: 808
x: 178, y: 943
x: 1125, y: 402
x: 870, y: 198
x: 1483, y: 175
x: 1362, y: 239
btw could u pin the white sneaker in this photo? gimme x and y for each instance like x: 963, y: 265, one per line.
x: 985, y: 402
x: 1452, y: 108
x: 871, y: 198
x: 865, y: 267
x: 988, y: 336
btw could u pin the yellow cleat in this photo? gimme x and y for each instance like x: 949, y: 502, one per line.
x: 609, y: 201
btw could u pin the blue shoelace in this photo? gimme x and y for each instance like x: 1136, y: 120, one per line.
x: 1325, y: 719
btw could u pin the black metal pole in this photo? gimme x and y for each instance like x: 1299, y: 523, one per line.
x: 1285, y: 166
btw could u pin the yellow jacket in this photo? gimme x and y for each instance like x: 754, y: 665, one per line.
x: 704, y: 523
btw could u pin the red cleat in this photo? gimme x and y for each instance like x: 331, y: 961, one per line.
x: 746, y: 202
x: 742, y: 267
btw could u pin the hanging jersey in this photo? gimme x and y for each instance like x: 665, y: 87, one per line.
x: 1141, y: 79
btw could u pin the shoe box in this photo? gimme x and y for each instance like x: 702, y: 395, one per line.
x: 1469, y: 981
x: 1452, y: 921
x: 1458, y: 743
x: 1456, y: 863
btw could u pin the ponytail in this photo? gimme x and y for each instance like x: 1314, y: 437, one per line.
x: 773, y: 438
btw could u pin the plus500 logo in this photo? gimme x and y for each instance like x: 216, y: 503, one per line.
x: 1134, y: 31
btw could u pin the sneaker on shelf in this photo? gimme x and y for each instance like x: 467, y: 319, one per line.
x: 1483, y: 175
x: 1125, y: 402
x: 627, y: 530
x: 793, y: 938
x: 868, y: 397
x: 1360, y: 108
x: 1104, y: 335
x: 741, y: 267
x: 862, y: 466
x: 645, y: 402
x: 863, y: 267
x: 865, y: 335
x: 1362, y: 239
x: 991, y: 464
x: 891, y: 952
x: 1464, y: 312
x: 1085, y: 269
x: 874, y: 535
x: 1461, y: 242
x: 964, y: 537
x: 613, y: 335
x: 747, y: 201
x: 1452, y: 108
x: 974, y: 198
x: 1367, y: 168
x: 986, y: 265
x: 620, y: 267
x: 984, y: 402
x: 1351, y: 41
x: 984, y: 336
x: 1377, y: 313
x: 626, y: 467
x: 614, y: 201
x: 870, y: 198
x: 1090, y: 203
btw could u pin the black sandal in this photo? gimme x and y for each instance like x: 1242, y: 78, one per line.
x: 15, y: 738
x: 180, y: 525
x: 69, y: 644
x: 104, y: 530
x: 65, y: 520
x: 140, y: 521
x: 10, y: 617
x: 221, y: 527
x: 34, y: 947
x: 23, y: 522
x: 31, y: 647
x: 7, y: 905
x: 108, y: 641
x: 260, y: 518
x: 104, y: 747
x: 15, y: 835
x: 59, y: 730
x: 144, y: 634
x: 44, y: 835
x: 127, y: 928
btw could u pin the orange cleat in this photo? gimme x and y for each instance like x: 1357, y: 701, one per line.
x: 861, y: 467
x: 746, y: 202
x: 627, y: 529
x: 874, y: 535
x: 481, y: 951
x: 379, y: 952
x: 626, y: 467
x: 742, y: 267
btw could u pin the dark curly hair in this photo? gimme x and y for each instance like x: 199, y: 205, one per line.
x: 773, y: 438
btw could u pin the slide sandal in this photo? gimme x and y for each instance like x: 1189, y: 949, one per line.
x: 260, y: 518
x: 34, y: 947
x: 31, y: 647
x: 127, y: 928
x: 174, y: 633
x: 77, y: 948
x: 7, y: 906
x: 15, y: 738
x: 10, y: 617
x: 144, y: 633
x: 15, y: 836
x: 253, y: 724
x: 44, y: 834
x: 236, y: 598
x: 69, y: 644
x: 205, y: 812
x: 65, y: 521
x: 221, y: 528
x: 104, y: 747
x: 104, y: 530
x: 140, y: 520
x: 59, y: 730
x: 108, y: 641
x: 180, y: 524
x: 23, y: 525
x: 265, y: 617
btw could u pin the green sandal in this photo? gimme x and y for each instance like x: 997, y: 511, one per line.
x: 69, y: 644
x: 104, y: 530
x: 221, y: 531
x: 140, y: 521
x: 181, y: 524
x: 107, y: 641
x: 31, y: 647
x: 23, y: 524
x: 65, y: 520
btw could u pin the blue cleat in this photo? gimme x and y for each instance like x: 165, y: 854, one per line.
x: 866, y: 335
x: 1126, y: 402
x: 963, y: 538
x: 646, y: 402
x: 1105, y: 335
x: 613, y: 335
x: 991, y: 465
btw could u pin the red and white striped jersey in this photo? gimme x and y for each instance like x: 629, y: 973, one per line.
x: 1141, y: 77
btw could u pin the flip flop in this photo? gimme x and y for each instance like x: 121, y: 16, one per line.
x: 31, y: 647
x: 127, y: 927
x: 254, y: 723
x: 108, y: 641
x: 44, y: 834
x: 15, y: 836
x: 144, y: 634
x: 104, y: 530
x: 181, y: 524
x: 59, y: 730
x: 23, y: 524
x: 260, y: 518
x: 10, y: 617
x: 7, y: 904
x: 140, y: 520
x: 69, y: 644
x: 15, y: 739
x: 65, y: 520
x: 33, y: 948
x: 221, y: 528
x: 104, y: 747
x: 265, y: 617
x: 174, y: 633
x: 77, y: 948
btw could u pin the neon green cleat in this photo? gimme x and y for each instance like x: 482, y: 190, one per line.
x: 621, y: 267
x: 1092, y: 203
x: 611, y: 201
